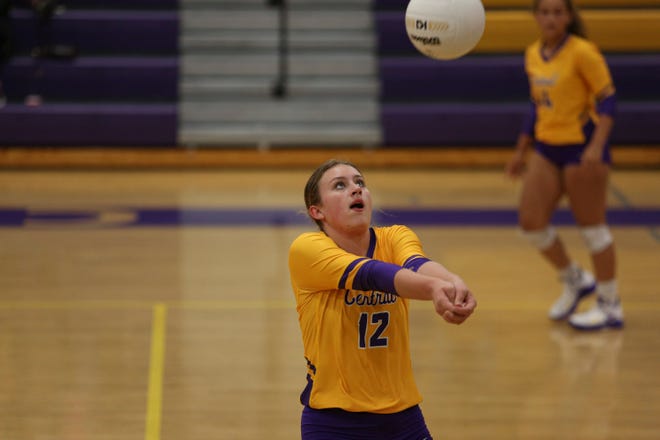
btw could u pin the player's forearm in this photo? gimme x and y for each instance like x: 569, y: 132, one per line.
x: 430, y: 279
x: 437, y: 270
x: 524, y: 142
x: 602, y: 131
x: 414, y: 285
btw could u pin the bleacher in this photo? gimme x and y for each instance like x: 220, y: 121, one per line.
x: 105, y: 75
x: 122, y: 86
x: 481, y: 99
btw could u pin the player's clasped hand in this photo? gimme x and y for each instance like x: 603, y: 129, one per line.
x: 453, y: 301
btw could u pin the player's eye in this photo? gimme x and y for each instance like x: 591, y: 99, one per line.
x: 340, y: 185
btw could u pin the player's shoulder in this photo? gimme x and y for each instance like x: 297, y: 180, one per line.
x: 533, y: 49
x: 392, y: 231
x: 311, y: 243
x: 582, y: 45
x: 308, y: 237
x: 390, y: 228
x: 307, y: 245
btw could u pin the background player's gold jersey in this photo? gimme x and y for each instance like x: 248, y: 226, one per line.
x: 565, y: 88
x: 356, y: 342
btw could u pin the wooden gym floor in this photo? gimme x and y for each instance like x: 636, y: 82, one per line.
x: 153, y: 305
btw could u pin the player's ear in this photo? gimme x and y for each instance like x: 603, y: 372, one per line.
x: 315, y: 213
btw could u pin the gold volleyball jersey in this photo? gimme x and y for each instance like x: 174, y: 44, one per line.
x: 356, y: 342
x: 565, y: 88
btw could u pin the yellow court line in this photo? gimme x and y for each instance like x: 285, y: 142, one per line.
x: 156, y: 367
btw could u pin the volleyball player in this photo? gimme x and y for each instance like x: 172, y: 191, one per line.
x: 571, y: 117
x: 352, y: 283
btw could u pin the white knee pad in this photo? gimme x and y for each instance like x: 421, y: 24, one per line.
x: 542, y: 239
x: 597, y: 238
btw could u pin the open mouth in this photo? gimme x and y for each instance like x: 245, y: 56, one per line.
x: 357, y: 205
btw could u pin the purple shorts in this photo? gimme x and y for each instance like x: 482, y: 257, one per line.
x: 567, y: 154
x: 337, y: 424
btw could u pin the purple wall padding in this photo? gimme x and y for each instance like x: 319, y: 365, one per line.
x: 440, y: 124
x: 123, y: 4
x: 391, y: 34
x: 89, y: 125
x: 636, y: 76
x: 496, y: 124
x: 465, y: 79
x: 94, y: 78
x: 112, y: 4
x: 500, y: 77
x: 93, y: 32
x: 121, y: 88
x: 637, y: 123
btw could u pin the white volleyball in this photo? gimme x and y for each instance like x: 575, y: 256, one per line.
x: 445, y: 29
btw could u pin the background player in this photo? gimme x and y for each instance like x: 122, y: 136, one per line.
x: 352, y: 283
x: 573, y: 105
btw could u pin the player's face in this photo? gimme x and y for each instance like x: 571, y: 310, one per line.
x: 345, y: 199
x: 553, y: 18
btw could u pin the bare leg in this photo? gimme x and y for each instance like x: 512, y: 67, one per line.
x: 586, y: 185
x: 542, y: 189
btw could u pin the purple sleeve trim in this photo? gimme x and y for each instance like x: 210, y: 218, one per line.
x: 530, y: 120
x: 376, y: 275
x: 342, y: 281
x: 413, y: 263
x: 607, y: 106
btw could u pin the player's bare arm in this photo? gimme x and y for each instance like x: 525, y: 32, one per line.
x: 442, y: 293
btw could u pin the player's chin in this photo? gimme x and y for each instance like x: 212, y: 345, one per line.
x: 361, y: 216
x: 552, y: 32
x: 359, y: 224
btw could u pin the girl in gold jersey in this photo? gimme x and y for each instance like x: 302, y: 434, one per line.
x: 571, y: 117
x: 352, y: 283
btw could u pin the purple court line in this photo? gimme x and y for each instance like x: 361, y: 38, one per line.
x: 181, y: 217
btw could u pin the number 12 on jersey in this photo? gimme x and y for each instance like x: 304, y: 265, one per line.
x: 372, y: 339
